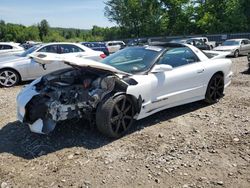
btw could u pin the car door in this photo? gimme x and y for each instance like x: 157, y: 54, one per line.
x: 244, y: 47
x: 185, y: 83
x: 247, y: 43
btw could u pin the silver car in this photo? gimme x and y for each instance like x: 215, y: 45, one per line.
x: 16, y: 68
x: 236, y: 47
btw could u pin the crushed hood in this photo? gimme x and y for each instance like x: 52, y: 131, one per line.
x: 46, y: 58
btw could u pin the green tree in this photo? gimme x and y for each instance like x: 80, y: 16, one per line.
x: 137, y: 17
x: 43, y: 27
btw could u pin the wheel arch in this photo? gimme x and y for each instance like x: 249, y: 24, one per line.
x: 137, y: 101
x: 218, y: 72
x: 11, y: 68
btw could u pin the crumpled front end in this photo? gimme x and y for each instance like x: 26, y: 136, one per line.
x: 23, y: 98
x: 64, y: 95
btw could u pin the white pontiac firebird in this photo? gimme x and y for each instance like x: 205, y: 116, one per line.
x: 129, y: 85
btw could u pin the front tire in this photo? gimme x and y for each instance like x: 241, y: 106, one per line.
x: 115, y: 116
x: 215, y: 89
x: 9, y: 78
x: 236, y: 53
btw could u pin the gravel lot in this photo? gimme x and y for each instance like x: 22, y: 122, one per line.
x: 194, y: 145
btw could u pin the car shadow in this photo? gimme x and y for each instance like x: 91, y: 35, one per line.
x: 17, y: 139
x: 246, y: 71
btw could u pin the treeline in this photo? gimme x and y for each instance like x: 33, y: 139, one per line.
x: 145, y: 18
x: 179, y: 17
x: 43, y: 32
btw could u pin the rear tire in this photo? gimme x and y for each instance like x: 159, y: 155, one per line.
x: 215, y: 89
x: 115, y: 116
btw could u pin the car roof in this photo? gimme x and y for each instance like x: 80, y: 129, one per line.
x: 168, y: 44
x: 237, y: 39
x: 115, y: 41
x: 10, y: 43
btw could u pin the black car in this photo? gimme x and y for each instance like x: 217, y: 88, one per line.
x: 97, y: 46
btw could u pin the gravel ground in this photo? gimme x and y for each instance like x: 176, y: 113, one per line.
x: 194, y: 145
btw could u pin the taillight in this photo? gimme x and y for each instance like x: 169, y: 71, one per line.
x: 103, y: 56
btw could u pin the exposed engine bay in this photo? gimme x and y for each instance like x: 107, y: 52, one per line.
x: 71, y: 93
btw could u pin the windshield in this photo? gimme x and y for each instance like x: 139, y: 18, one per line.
x: 30, y: 50
x: 231, y: 43
x: 133, y: 59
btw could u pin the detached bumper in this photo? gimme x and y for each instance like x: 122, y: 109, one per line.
x: 23, y: 98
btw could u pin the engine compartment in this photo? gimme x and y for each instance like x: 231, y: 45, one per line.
x: 68, y: 94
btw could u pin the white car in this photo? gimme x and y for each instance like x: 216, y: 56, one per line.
x: 211, y: 44
x: 114, y: 46
x: 14, y: 69
x: 9, y: 48
x: 236, y: 47
x: 129, y: 85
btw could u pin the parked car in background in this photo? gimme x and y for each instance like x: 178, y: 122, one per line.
x: 195, y: 42
x: 114, y: 46
x: 138, y: 42
x: 21, y: 67
x: 29, y: 44
x: 97, y: 46
x: 236, y: 47
x: 129, y: 85
x: 212, y: 44
x: 9, y: 48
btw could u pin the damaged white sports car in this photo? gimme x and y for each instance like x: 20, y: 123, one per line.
x: 129, y: 85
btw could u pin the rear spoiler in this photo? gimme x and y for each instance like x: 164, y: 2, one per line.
x: 212, y: 54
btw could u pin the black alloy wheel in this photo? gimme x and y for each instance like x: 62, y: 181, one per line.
x: 115, y: 116
x: 215, y: 89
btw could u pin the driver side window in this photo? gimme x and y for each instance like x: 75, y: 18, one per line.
x: 177, y: 57
x: 49, y: 49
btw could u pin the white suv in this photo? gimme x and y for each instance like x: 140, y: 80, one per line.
x: 114, y: 46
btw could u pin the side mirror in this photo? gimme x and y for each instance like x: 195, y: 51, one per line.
x: 161, y: 68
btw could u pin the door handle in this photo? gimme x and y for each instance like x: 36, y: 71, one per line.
x: 200, y: 71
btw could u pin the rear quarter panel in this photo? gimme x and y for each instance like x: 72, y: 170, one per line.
x: 213, y: 66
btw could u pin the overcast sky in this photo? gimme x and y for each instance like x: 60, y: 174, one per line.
x: 81, y: 14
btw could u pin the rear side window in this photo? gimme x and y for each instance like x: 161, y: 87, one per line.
x: 6, y: 47
x: 177, y: 57
x: 49, y: 49
x: 68, y: 48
